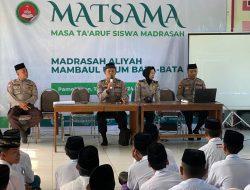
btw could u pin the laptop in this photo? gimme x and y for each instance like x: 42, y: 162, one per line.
x: 205, y: 95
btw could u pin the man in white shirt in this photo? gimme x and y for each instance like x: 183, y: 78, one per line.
x: 4, y: 176
x: 214, y: 148
x: 68, y: 172
x: 233, y: 172
x: 192, y: 169
x: 24, y: 166
x: 9, y: 155
x: 88, y: 160
x: 140, y: 168
x: 163, y: 178
x: 102, y: 178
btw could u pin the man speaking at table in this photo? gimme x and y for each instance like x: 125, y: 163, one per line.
x: 112, y: 90
x: 186, y: 90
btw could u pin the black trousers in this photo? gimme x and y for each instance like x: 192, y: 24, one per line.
x: 149, y: 117
x: 202, y: 115
x: 120, y: 117
x: 15, y: 112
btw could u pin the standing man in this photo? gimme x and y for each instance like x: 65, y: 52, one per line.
x: 112, y: 90
x: 186, y: 90
x: 22, y: 95
x: 214, y: 148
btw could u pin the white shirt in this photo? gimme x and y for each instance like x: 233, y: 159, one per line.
x: 233, y: 172
x: 24, y: 166
x: 162, y: 180
x: 247, y: 187
x: 213, y: 151
x: 193, y: 184
x: 66, y: 173
x: 139, y: 172
x: 16, y: 181
x: 79, y: 183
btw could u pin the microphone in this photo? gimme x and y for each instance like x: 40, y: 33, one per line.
x: 111, y: 80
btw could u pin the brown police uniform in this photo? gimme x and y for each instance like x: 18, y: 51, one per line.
x: 22, y: 91
x: 186, y: 90
x: 147, y: 93
x: 113, y: 95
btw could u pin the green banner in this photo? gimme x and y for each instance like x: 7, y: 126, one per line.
x: 66, y: 88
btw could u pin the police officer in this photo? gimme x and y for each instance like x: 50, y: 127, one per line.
x: 22, y: 95
x: 112, y: 90
x: 186, y: 90
x: 147, y: 91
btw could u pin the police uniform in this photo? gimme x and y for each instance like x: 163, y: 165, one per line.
x: 22, y: 91
x: 114, y: 95
x: 16, y: 181
x: 186, y: 90
x: 233, y: 172
x: 147, y: 93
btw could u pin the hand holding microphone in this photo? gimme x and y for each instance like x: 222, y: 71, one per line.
x: 110, y: 85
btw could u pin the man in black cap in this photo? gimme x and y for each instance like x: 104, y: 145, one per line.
x: 186, y: 90
x: 22, y: 95
x: 112, y: 90
x: 24, y: 166
x: 164, y: 177
x: 9, y: 155
x: 233, y: 172
x: 192, y: 169
x: 88, y: 160
x: 139, y: 168
x: 102, y: 178
x: 214, y: 148
x: 68, y: 172
x: 4, y: 176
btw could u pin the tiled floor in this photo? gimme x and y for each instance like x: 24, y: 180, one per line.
x: 45, y: 161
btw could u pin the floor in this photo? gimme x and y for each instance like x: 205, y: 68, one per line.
x: 45, y: 160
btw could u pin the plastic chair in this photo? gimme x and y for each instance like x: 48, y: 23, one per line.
x: 175, y: 116
x: 48, y: 96
x: 81, y: 95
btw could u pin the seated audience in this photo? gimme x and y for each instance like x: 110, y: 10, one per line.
x: 192, y: 169
x: 164, y: 177
x: 24, y: 166
x: 214, y: 148
x: 88, y: 160
x: 4, y: 176
x: 68, y: 172
x: 9, y: 155
x: 154, y: 132
x: 139, y: 168
x: 102, y: 178
x: 233, y: 172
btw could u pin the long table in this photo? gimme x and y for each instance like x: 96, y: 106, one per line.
x: 214, y: 109
x: 94, y: 107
